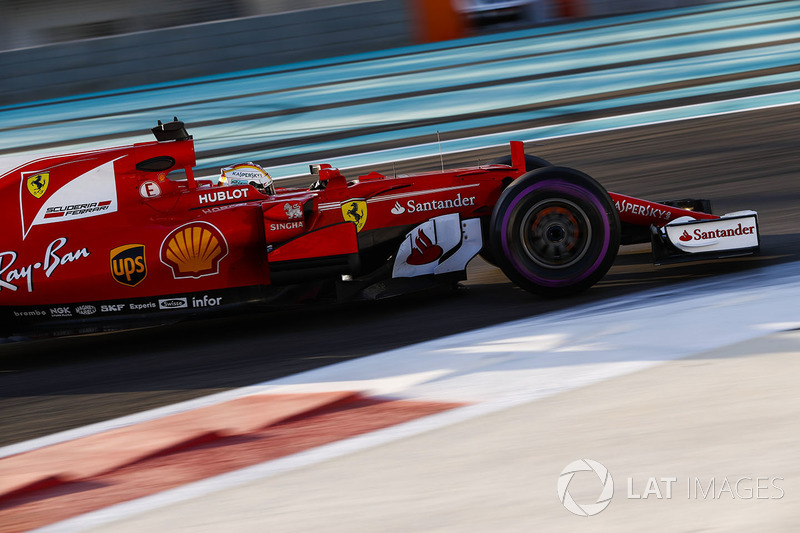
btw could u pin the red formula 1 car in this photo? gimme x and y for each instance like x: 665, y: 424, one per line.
x: 113, y: 237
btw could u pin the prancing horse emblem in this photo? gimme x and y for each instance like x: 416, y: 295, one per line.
x: 355, y: 211
x: 37, y: 185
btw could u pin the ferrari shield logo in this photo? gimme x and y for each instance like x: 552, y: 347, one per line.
x: 355, y: 211
x: 37, y: 185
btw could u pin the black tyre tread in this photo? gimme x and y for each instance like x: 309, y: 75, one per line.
x: 532, y: 162
x: 572, y: 177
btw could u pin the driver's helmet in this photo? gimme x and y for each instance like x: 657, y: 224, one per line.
x: 247, y: 174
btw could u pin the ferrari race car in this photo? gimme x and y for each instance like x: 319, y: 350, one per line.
x: 113, y: 237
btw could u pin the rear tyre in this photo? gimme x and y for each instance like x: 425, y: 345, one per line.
x: 555, y: 231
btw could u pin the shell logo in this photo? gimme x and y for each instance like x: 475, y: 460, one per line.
x: 194, y: 250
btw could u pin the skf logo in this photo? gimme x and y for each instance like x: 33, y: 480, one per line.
x: 194, y: 250
x: 355, y: 211
x: 37, y: 185
x: 128, y: 264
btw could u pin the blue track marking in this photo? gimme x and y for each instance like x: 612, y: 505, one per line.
x: 444, y: 83
x: 354, y: 117
x: 746, y: 11
x: 332, y: 77
x: 531, y: 135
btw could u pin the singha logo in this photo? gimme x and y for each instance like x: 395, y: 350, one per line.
x: 293, y: 211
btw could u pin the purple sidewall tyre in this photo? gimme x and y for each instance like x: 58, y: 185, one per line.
x: 555, y: 231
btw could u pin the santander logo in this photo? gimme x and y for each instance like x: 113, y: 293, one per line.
x: 715, y: 234
x: 424, y: 251
x: 417, y: 206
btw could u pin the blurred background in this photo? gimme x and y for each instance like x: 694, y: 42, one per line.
x: 55, y: 48
x: 658, y: 99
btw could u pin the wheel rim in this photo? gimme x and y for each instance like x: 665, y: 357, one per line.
x: 555, y: 233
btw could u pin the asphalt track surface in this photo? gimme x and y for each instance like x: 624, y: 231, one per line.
x: 746, y: 160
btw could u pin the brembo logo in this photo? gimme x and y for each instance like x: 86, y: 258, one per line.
x: 606, y: 493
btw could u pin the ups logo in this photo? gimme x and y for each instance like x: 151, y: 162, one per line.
x: 128, y: 264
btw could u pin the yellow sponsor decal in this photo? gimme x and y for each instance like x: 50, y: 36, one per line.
x: 355, y: 211
x: 194, y: 250
x: 128, y: 264
x: 37, y: 185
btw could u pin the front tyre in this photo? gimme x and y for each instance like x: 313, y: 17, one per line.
x: 531, y: 163
x: 555, y: 231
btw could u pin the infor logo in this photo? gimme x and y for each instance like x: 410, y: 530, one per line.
x: 606, y: 489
